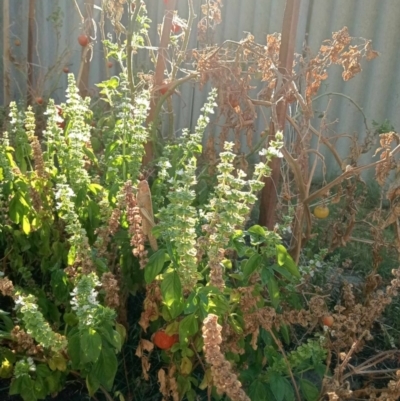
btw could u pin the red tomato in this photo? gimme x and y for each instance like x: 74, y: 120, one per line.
x: 175, y: 28
x: 66, y: 70
x: 164, y: 88
x: 163, y: 341
x: 83, y: 40
x: 328, y: 321
x: 233, y: 101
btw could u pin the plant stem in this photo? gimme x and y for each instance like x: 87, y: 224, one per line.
x: 278, y: 343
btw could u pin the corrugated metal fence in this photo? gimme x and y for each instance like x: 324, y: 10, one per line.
x: 375, y: 90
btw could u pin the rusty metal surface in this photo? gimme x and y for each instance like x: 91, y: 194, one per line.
x: 376, y: 89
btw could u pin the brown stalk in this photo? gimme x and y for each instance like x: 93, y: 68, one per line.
x: 84, y: 68
x: 279, y: 344
x: 269, y: 198
x: 31, y: 45
x: 146, y: 211
x: 159, y: 73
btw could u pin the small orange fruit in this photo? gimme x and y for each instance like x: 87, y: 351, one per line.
x: 164, y: 341
x: 17, y: 42
x: 39, y: 100
x: 321, y: 212
x: 328, y: 320
x: 66, y: 70
x: 109, y: 64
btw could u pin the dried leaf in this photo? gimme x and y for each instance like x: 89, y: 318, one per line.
x: 146, y: 210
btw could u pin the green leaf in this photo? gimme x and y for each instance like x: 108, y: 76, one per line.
x: 251, y: 265
x: 284, y: 259
x: 191, y: 304
x: 90, y: 345
x: 91, y: 156
x: 273, y: 290
x: 105, y: 368
x: 14, y: 210
x: 23, y: 386
x: 171, y: 290
x: 188, y: 327
x: 95, y: 188
x: 282, y: 271
x: 111, y: 335
x: 257, y: 391
x: 257, y: 235
x: 285, y: 333
x: 236, y: 325
x: 59, y: 284
x: 278, y: 386
x: 310, y: 392
x: 154, y: 266
x: 92, y: 383
x: 26, y: 225
x: 74, y: 348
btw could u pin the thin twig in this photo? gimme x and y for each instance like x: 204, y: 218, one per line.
x: 79, y: 12
x: 347, y: 174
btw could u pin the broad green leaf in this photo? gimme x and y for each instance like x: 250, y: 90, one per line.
x: 90, y: 345
x: 310, y: 392
x: 171, y: 290
x: 74, y: 349
x: 236, y: 325
x: 154, y: 266
x: 71, y: 256
x: 92, y: 383
x: 284, y: 259
x: 24, y: 387
x: 285, y: 333
x: 278, y: 386
x: 26, y: 225
x: 251, y: 265
x: 282, y: 271
x: 257, y: 234
x: 191, y: 304
x: 188, y: 327
x: 59, y: 285
x: 121, y: 331
x: 186, y: 366
x: 184, y: 384
x: 105, y: 368
x: 273, y: 290
x: 111, y: 335
x: 257, y: 391
x: 14, y: 210
x: 95, y: 188
x: 207, y: 380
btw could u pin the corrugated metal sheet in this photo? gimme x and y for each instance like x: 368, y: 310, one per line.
x: 376, y: 89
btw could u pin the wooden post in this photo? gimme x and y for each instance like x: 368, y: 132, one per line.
x: 269, y: 195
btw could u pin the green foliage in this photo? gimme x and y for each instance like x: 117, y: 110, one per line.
x: 52, y: 250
